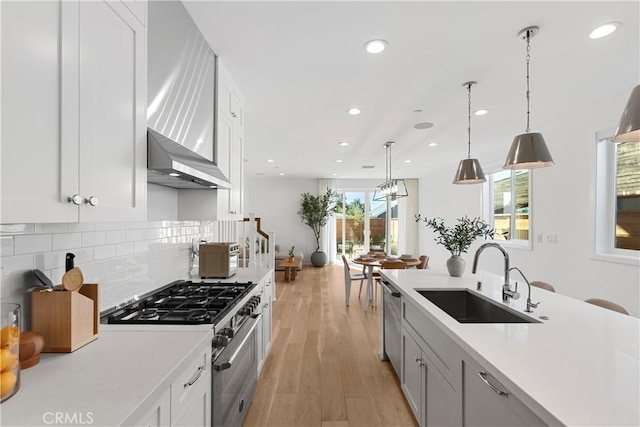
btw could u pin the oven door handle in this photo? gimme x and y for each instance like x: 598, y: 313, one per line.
x: 226, y: 365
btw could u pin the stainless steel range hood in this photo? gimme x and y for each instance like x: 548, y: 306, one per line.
x: 171, y: 164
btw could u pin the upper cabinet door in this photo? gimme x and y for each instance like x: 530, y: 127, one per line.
x: 32, y: 140
x: 112, y: 113
x: 73, y: 112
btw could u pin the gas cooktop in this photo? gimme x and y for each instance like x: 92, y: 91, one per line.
x: 181, y: 302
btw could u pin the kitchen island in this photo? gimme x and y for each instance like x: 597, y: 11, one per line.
x: 578, y: 365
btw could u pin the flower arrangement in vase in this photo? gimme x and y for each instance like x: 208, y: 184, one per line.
x: 458, y: 238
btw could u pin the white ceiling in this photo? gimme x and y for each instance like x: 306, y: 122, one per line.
x: 301, y: 65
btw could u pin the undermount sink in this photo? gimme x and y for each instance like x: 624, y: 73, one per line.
x: 466, y: 307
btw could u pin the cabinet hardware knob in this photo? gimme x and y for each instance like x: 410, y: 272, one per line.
x: 93, y: 201
x: 76, y: 199
x: 483, y: 376
x: 419, y: 362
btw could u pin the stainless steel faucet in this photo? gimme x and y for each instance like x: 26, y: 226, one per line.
x: 507, y: 292
x: 530, y: 305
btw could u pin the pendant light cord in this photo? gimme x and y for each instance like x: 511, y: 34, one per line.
x: 469, y: 117
x: 528, y: 38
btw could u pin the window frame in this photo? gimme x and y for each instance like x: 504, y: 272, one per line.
x: 488, y: 208
x: 604, y: 209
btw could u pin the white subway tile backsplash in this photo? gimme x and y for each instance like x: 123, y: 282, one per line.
x: 28, y: 244
x: 17, y: 228
x: 93, y: 238
x: 124, y: 249
x: 66, y: 241
x: 81, y: 227
x: 116, y: 236
x: 6, y: 245
x: 51, y: 228
x: 104, y: 252
x: 133, y: 235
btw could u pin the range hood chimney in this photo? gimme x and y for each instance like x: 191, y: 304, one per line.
x: 171, y: 164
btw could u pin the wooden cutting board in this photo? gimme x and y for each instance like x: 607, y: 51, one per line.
x: 72, y: 279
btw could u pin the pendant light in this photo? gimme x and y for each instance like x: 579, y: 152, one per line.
x: 528, y: 150
x: 469, y: 170
x: 390, y: 189
x: 628, y: 129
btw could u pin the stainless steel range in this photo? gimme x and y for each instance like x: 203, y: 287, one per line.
x: 231, y: 310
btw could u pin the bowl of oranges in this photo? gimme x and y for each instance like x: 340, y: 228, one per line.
x: 9, y: 350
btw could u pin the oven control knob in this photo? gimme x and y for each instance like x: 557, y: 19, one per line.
x: 220, y: 341
x: 246, y: 310
x: 227, y: 332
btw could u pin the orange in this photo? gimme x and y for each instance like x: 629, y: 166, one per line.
x: 7, y: 382
x: 8, y: 360
x: 9, y: 337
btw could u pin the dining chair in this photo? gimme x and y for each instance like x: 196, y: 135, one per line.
x: 608, y: 305
x: 348, y: 278
x: 542, y: 285
x: 424, y: 261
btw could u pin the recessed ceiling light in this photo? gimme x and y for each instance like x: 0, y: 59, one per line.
x: 270, y: 161
x: 604, y: 30
x: 432, y: 144
x: 259, y: 173
x: 334, y: 174
x: 281, y: 174
x: 481, y: 112
x: 343, y: 143
x: 353, y: 111
x: 174, y: 174
x: 407, y: 161
x: 375, y: 46
x: 423, y: 125
x: 338, y: 161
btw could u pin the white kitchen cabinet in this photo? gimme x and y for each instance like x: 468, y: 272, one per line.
x: 264, y: 328
x: 487, y: 402
x: 412, y: 376
x: 191, y: 391
x: 230, y: 144
x: 160, y: 413
x: 73, y: 112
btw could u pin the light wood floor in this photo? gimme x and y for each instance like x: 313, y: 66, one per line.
x: 323, y: 368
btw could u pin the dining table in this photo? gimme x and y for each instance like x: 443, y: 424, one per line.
x: 372, y: 262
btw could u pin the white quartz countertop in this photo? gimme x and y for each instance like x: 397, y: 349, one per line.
x: 580, y: 367
x: 102, y: 383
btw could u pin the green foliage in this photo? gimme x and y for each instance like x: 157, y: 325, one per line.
x: 291, y: 251
x: 458, y: 239
x: 315, y: 211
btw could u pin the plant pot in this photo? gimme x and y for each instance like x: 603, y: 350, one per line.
x: 319, y: 259
x: 291, y: 259
x: 456, y: 265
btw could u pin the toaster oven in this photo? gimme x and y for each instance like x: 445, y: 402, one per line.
x: 219, y: 259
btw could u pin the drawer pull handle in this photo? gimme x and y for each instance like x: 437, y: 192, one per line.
x: 193, y: 380
x: 483, y: 376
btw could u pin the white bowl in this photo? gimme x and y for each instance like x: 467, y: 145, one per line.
x: 406, y: 256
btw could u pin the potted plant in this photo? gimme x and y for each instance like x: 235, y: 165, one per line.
x: 458, y: 238
x: 291, y: 253
x: 315, y: 211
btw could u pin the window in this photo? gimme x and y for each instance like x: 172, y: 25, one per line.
x: 617, y: 225
x: 509, y: 205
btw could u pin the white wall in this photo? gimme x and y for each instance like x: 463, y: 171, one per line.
x: 562, y: 204
x: 276, y: 201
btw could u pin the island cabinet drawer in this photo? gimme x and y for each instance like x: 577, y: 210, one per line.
x: 488, y: 402
x: 440, y: 349
x: 191, y: 389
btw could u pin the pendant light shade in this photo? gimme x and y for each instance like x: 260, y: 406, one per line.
x: 469, y: 170
x: 628, y: 129
x: 528, y: 150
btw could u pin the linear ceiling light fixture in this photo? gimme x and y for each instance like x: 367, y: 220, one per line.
x: 391, y: 189
x: 469, y: 170
x: 628, y: 129
x: 528, y: 150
